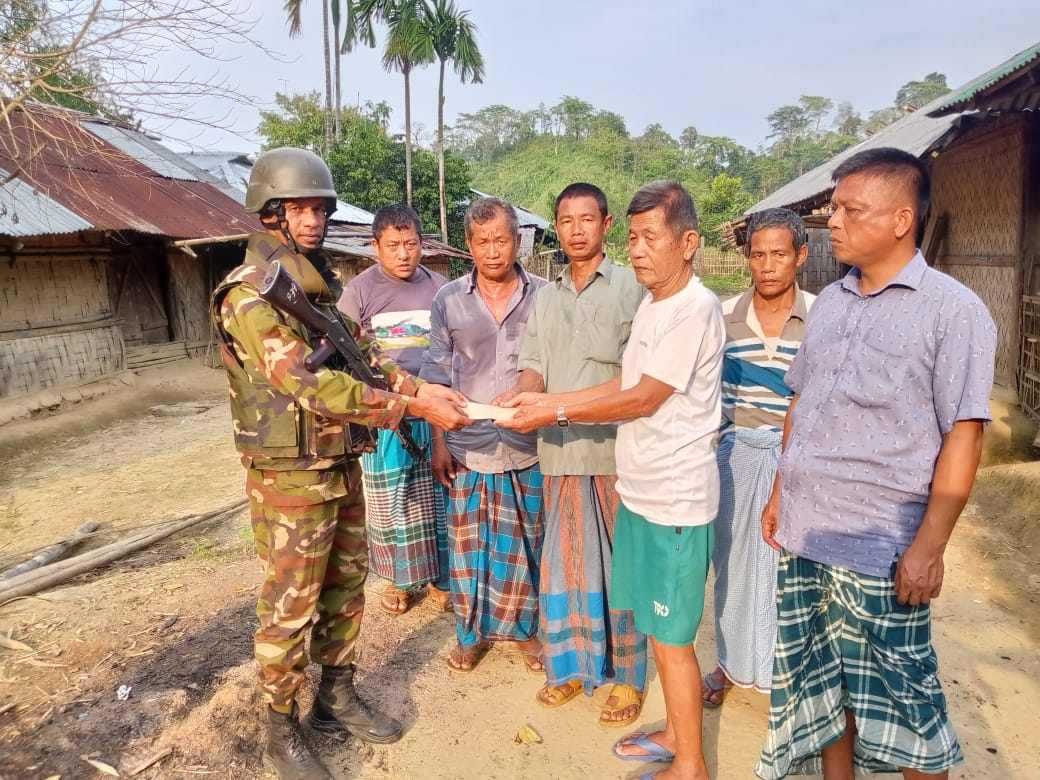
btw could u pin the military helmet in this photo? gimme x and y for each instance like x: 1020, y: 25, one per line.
x: 288, y: 172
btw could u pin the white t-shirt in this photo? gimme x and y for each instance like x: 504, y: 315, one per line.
x: 666, y: 462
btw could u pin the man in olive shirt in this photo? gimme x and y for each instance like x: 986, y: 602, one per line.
x: 574, y: 339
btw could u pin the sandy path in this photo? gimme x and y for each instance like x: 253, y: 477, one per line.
x: 192, y: 680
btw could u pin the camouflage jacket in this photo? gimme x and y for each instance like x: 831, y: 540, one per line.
x: 285, y: 417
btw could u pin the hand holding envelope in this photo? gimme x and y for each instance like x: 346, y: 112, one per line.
x: 477, y: 411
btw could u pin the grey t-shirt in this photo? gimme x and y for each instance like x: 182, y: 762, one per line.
x: 395, y: 311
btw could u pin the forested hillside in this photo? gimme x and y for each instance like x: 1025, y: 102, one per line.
x: 529, y: 156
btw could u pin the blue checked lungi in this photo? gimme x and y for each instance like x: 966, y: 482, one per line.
x: 405, y: 512
x: 582, y: 639
x: 745, y: 566
x: 495, y: 537
x: 844, y: 642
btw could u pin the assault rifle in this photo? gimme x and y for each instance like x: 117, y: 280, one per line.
x: 334, y: 346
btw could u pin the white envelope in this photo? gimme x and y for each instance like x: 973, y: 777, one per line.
x: 475, y: 411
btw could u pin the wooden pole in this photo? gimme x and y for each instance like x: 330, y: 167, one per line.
x: 50, y: 554
x: 57, y: 573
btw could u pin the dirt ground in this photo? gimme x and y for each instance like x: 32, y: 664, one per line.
x: 174, y: 623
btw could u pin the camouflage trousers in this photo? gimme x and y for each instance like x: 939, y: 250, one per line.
x: 309, y: 529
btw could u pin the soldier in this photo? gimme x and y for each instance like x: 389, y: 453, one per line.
x: 302, y: 476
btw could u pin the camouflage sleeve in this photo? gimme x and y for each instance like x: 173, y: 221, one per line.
x: 264, y: 342
x: 399, y: 380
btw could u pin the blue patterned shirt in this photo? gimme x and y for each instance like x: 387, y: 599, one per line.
x: 880, y: 378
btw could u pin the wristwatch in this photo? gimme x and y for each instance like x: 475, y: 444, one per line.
x: 561, y: 417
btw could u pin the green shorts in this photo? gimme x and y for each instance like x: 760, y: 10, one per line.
x: 659, y: 572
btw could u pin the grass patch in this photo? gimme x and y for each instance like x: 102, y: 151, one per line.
x: 728, y: 284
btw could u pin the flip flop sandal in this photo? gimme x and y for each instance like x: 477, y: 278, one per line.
x: 624, y: 696
x: 653, y: 751
x: 474, y: 656
x: 562, y: 693
x: 395, y: 601
x: 710, y: 682
x: 533, y: 663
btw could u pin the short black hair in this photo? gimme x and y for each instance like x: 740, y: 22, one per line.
x: 782, y: 218
x: 397, y: 216
x: 679, y: 211
x: 581, y: 189
x: 889, y: 162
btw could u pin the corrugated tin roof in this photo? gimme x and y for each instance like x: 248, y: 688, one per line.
x: 234, y: 168
x: 527, y: 218
x: 968, y: 96
x: 358, y: 241
x: 914, y: 133
x: 25, y: 211
x: 145, y: 150
x: 110, y: 189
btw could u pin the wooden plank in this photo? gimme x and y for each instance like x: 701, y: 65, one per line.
x: 991, y: 261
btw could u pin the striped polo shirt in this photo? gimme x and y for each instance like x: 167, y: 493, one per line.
x: 754, y: 393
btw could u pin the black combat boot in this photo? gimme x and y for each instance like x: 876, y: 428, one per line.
x: 338, y: 708
x: 287, y: 754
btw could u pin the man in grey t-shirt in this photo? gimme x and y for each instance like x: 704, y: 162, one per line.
x: 881, y: 444
x: 407, y: 535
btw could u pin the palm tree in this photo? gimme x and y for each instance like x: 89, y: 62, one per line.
x: 351, y: 16
x: 407, y: 45
x: 453, y: 37
x: 294, y: 10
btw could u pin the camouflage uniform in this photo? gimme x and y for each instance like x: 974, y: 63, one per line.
x: 304, y: 486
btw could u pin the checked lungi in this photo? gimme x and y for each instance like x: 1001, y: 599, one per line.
x: 495, y: 537
x: 844, y: 642
x: 582, y: 638
x: 745, y: 566
x: 405, y: 511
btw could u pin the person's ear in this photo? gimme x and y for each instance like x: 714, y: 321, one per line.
x: 803, y: 255
x: 904, y: 222
x: 608, y: 223
x: 690, y: 241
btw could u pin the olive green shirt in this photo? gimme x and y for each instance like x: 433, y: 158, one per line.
x: 575, y: 340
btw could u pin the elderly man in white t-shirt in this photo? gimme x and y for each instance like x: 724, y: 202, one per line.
x: 667, y: 400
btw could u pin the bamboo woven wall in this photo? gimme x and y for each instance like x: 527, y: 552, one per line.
x: 56, y: 325
x: 820, y: 268
x: 712, y: 261
x: 977, y: 184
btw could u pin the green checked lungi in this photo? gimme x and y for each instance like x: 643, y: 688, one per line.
x: 845, y: 642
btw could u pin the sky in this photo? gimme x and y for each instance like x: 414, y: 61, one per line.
x: 721, y: 67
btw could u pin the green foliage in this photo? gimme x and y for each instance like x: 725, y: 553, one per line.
x: 725, y: 285
x: 367, y: 165
x: 36, y: 56
x: 529, y: 156
x: 915, y: 94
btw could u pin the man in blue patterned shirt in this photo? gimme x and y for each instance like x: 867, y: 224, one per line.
x: 881, y: 445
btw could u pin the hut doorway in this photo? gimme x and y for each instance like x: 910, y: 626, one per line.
x: 139, y: 292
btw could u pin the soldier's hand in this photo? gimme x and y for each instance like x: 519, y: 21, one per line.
x: 444, y: 466
x: 437, y: 411
x: 431, y: 390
